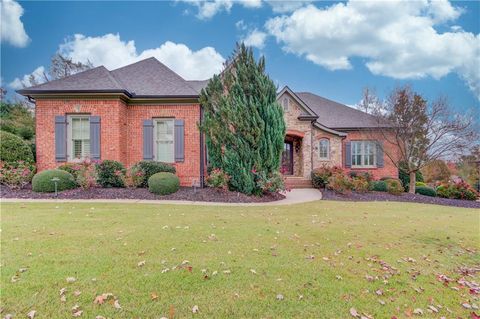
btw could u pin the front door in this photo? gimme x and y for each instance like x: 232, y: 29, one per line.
x: 287, y: 158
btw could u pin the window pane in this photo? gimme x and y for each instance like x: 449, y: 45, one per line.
x: 324, y: 148
x: 165, y: 145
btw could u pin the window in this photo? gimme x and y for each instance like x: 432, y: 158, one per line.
x: 286, y: 104
x: 364, y: 154
x: 164, y: 137
x: 324, y: 149
x: 79, y: 137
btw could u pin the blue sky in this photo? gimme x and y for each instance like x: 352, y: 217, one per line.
x: 329, y: 48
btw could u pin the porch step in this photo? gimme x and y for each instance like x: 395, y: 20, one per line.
x: 297, y: 182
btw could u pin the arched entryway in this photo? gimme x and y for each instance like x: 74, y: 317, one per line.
x: 292, y: 159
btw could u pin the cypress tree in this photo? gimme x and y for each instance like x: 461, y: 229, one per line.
x: 243, y: 123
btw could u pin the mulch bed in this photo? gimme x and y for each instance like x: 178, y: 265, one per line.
x: 185, y: 193
x: 406, y: 197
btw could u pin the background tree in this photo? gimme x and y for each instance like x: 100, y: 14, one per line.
x: 60, y: 67
x: 421, y: 132
x: 469, y: 168
x: 243, y: 123
x: 436, y: 171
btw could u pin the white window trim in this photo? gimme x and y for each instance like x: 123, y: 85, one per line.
x: 328, y: 149
x: 363, y: 154
x: 155, y: 147
x: 70, y: 157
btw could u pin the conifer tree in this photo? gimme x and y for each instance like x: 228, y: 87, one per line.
x: 243, y: 123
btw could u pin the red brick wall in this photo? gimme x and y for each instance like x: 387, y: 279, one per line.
x: 121, y: 131
x: 388, y: 169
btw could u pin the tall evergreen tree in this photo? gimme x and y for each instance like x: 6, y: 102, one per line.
x: 243, y: 123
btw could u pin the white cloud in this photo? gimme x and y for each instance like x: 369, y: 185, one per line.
x: 396, y: 39
x: 12, y: 31
x: 284, y: 6
x: 109, y: 50
x: 208, y: 9
x: 255, y: 39
x: 38, y: 75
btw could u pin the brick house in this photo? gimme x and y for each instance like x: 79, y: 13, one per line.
x: 145, y: 111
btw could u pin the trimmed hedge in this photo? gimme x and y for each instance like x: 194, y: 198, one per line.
x: 379, y: 186
x: 150, y: 168
x: 42, y: 182
x: 163, y: 183
x: 110, y: 173
x: 14, y: 149
x: 425, y: 190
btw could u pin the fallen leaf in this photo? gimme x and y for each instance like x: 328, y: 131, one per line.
x: 78, y: 313
x: 195, y: 309
x: 71, y: 279
x: 418, y: 311
x: 116, y: 304
x: 353, y: 312
x: 32, y: 314
x: 432, y: 308
x: 153, y: 296
x: 253, y: 271
x: 280, y: 297
x: 141, y: 263
x: 77, y: 293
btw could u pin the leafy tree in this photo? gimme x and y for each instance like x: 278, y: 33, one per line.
x: 404, y: 176
x: 421, y: 132
x: 436, y: 171
x: 469, y: 167
x: 17, y: 118
x: 243, y: 123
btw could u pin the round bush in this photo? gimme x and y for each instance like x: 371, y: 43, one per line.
x: 110, y: 173
x: 163, y: 183
x: 42, y: 182
x: 151, y: 167
x: 380, y: 186
x: 425, y: 190
x: 14, y: 149
x: 394, y: 186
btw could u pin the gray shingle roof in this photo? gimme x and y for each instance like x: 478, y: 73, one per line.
x: 198, y: 85
x: 336, y: 115
x: 145, y: 78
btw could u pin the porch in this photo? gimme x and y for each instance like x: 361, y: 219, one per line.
x: 293, y: 160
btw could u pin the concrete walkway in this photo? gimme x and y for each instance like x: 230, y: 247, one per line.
x: 295, y: 196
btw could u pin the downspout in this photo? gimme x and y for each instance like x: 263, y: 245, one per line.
x: 202, y: 148
x: 311, y: 149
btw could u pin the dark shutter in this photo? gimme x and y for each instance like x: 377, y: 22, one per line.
x: 61, y: 138
x: 179, y: 141
x: 379, y: 154
x: 348, y: 154
x: 95, y: 137
x: 148, y: 139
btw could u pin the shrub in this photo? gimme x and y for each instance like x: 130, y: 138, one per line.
x: 360, y: 184
x: 436, y: 171
x: 14, y: 149
x: 394, y: 186
x: 110, y: 173
x: 85, y: 173
x: 272, y: 183
x: 321, y: 175
x: 420, y: 184
x: 425, y: 190
x: 459, y: 190
x: 339, y: 183
x: 134, y: 177
x: 16, y: 175
x: 163, y: 183
x: 379, y: 186
x: 42, y: 182
x: 151, y: 167
x: 364, y: 175
x: 218, y: 179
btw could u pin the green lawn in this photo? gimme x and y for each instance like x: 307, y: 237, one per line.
x: 318, y: 256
